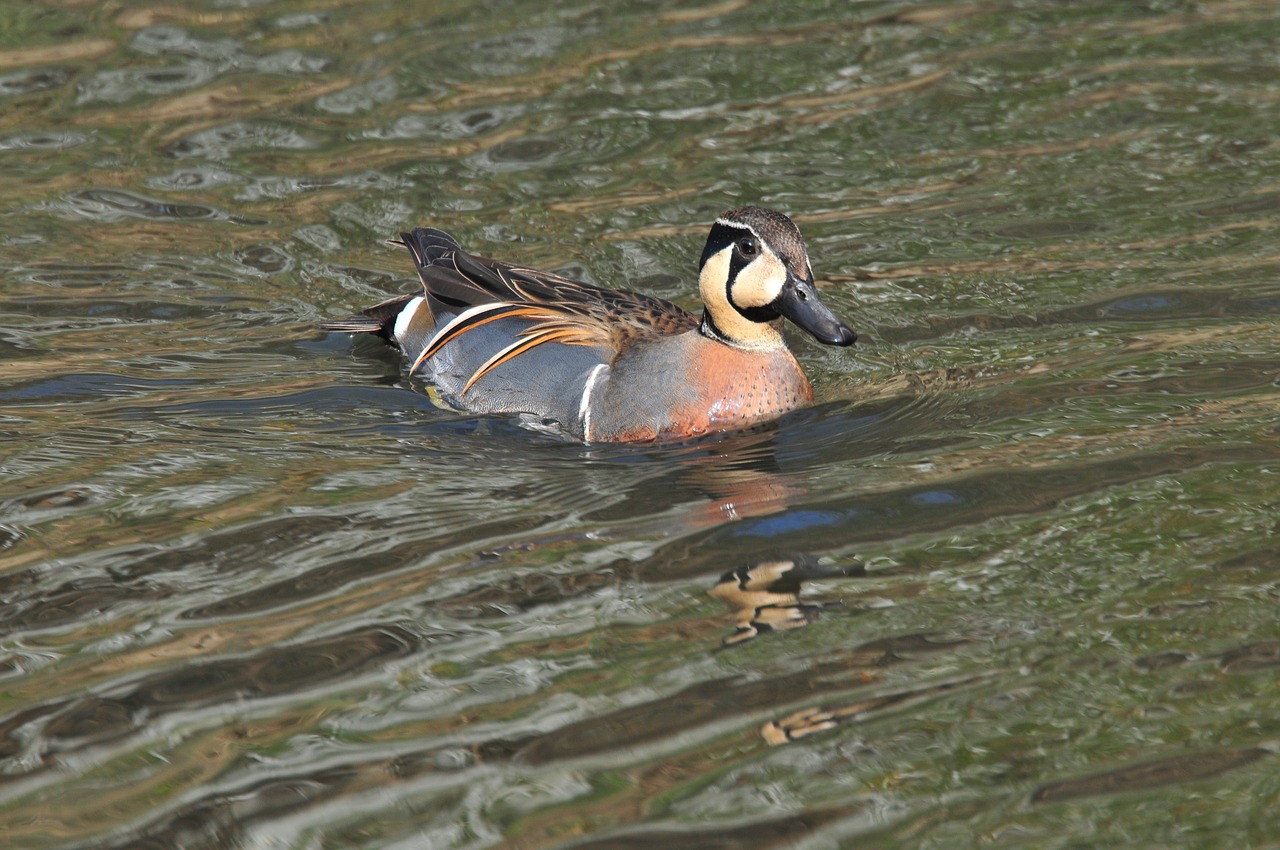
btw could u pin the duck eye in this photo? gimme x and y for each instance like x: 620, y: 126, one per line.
x: 747, y: 246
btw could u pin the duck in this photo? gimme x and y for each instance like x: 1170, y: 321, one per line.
x: 612, y: 366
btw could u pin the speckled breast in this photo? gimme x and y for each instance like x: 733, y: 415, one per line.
x: 739, y: 388
x: 693, y: 386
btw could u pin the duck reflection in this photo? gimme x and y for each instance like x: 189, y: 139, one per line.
x: 765, y: 597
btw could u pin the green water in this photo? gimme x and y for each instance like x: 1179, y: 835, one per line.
x: 257, y: 591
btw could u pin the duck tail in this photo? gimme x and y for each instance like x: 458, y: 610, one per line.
x: 427, y: 244
x: 380, y: 319
x: 399, y: 320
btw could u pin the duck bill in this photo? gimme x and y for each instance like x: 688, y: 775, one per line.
x: 799, y: 302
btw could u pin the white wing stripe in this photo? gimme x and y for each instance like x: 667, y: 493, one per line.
x: 584, y: 407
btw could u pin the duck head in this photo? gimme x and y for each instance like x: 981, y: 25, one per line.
x: 754, y: 272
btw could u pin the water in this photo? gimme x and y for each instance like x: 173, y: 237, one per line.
x: 255, y: 590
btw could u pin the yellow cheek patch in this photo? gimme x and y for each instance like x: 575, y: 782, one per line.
x: 757, y: 285
x: 711, y: 282
x: 760, y: 283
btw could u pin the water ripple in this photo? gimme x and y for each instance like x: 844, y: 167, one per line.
x: 107, y: 205
x: 194, y: 178
x: 221, y: 143
x: 206, y: 60
x: 25, y: 82
x: 358, y: 98
x: 121, y: 85
x: 271, y: 188
x: 449, y: 124
x: 52, y: 140
x: 256, y: 589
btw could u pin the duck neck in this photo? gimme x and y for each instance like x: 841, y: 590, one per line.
x: 764, y: 336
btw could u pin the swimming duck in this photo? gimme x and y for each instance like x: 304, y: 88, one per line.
x: 603, y: 365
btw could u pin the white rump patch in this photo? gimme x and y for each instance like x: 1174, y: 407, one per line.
x: 405, y: 317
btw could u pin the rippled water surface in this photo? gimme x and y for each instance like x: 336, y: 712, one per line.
x: 1012, y: 581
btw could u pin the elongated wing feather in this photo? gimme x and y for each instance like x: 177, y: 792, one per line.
x: 464, y: 292
x: 478, y: 290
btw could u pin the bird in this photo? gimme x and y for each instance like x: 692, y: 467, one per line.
x: 610, y: 366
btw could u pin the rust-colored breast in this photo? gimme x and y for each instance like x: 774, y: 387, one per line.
x: 735, y: 388
x: 687, y: 385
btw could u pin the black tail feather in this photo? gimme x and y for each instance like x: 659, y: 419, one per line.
x: 428, y: 245
x: 379, y: 319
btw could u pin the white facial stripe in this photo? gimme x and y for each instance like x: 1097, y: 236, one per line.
x: 751, y: 302
x: 739, y: 225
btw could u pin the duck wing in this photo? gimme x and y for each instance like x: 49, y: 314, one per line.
x: 465, y: 292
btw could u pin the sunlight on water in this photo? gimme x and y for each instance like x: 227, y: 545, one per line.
x: 1012, y: 580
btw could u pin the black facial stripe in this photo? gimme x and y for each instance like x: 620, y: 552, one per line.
x: 722, y: 235
x: 754, y: 314
x: 709, y: 329
x: 763, y: 315
x: 737, y: 263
